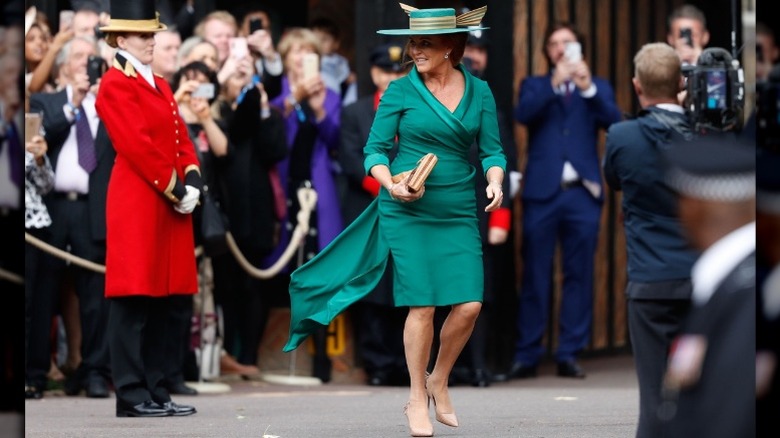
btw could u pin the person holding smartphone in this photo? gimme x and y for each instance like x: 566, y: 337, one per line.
x: 82, y: 156
x: 562, y: 197
x: 687, y: 33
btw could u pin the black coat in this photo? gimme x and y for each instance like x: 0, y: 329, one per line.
x: 255, y: 146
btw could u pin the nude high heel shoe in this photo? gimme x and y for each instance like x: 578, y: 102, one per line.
x: 419, y: 424
x: 447, y: 418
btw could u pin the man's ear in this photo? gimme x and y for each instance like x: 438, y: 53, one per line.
x: 637, y: 86
x: 705, y: 38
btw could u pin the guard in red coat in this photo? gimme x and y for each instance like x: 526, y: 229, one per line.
x: 154, y: 187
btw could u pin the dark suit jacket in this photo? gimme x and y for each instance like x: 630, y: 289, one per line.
x: 57, y: 129
x: 722, y: 403
x: 560, y: 131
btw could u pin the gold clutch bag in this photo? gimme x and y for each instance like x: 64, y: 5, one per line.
x: 416, y: 177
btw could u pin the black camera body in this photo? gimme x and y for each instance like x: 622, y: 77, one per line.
x: 768, y: 112
x: 96, y: 66
x: 715, y: 99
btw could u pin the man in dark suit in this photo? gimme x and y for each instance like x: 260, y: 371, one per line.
x: 562, y: 198
x: 83, y: 157
x: 659, y: 257
x: 379, y: 325
x: 710, y: 383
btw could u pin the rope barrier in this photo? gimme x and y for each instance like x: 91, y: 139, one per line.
x: 307, y: 198
x: 11, y: 277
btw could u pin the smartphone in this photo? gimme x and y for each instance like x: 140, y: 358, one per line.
x: 238, y: 48
x: 205, y: 91
x: 32, y: 125
x: 255, y: 24
x: 66, y: 19
x: 96, y: 66
x: 685, y: 33
x: 311, y: 65
x: 573, y: 51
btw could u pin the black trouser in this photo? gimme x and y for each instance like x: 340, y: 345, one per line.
x: 179, y: 339
x: 245, y: 302
x: 653, y: 324
x: 70, y: 228
x: 11, y: 346
x: 380, y: 338
x: 138, y: 332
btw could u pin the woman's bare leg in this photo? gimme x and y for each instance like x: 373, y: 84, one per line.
x: 418, y: 337
x: 455, y: 332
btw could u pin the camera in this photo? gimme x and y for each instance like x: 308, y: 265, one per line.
x: 768, y: 112
x: 715, y: 97
x: 96, y: 66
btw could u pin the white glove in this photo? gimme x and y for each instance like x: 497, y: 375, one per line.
x: 189, y: 201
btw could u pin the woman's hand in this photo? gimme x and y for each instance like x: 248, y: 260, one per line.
x: 495, y: 193
x: 201, y: 108
x: 400, y: 192
x: 37, y: 146
x: 184, y: 91
x: 314, y: 90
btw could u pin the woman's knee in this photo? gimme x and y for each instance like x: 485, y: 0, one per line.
x: 422, y: 314
x: 468, y: 311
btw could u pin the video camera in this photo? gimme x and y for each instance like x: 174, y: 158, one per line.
x: 715, y: 97
x: 768, y: 113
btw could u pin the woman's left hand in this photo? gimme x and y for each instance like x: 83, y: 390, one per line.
x: 495, y: 193
x: 400, y: 192
x: 200, y: 107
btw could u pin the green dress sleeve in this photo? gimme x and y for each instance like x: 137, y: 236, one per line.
x: 385, y: 127
x: 490, y: 151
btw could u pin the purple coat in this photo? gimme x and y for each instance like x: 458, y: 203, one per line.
x: 322, y: 168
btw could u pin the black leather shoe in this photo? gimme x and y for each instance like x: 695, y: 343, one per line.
x: 33, y: 392
x: 97, y: 388
x: 570, y: 368
x: 145, y: 409
x: 178, y: 410
x: 522, y: 370
x: 180, y: 388
x: 72, y: 385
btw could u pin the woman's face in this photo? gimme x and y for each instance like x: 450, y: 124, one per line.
x: 293, y: 62
x: 140, y: 45
x: 205, y: 53
x: 35, y: 45
x: 427, y: 52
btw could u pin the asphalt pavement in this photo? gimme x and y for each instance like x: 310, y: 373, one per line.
x: 603, y: 405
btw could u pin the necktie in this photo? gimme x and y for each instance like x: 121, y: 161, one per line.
x: 567, y: 91
x: 87, y: 158
x: 15, y: 155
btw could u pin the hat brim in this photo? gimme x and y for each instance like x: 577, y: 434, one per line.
x: 139, y: 29
x: 428, y: 32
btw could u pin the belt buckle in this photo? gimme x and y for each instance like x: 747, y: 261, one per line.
x: 72, y: 196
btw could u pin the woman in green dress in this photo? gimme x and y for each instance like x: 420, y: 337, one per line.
x: 432, y: 234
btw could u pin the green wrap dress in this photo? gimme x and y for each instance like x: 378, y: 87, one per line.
x: 435, y: 243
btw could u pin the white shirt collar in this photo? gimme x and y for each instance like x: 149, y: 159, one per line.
x: 671, y: 107
x: 144, y: 69
x: 719, y: 260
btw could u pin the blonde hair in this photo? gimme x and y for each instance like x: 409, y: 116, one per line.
x: 657, y: 68
x: 300, y: 35
x: 223, y: 16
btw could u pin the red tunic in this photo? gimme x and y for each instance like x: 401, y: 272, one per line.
x: 150, y: 246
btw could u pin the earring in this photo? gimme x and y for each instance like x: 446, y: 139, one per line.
x: 446, y: 55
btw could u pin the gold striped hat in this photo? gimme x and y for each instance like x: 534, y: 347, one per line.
x: 438, y: 21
